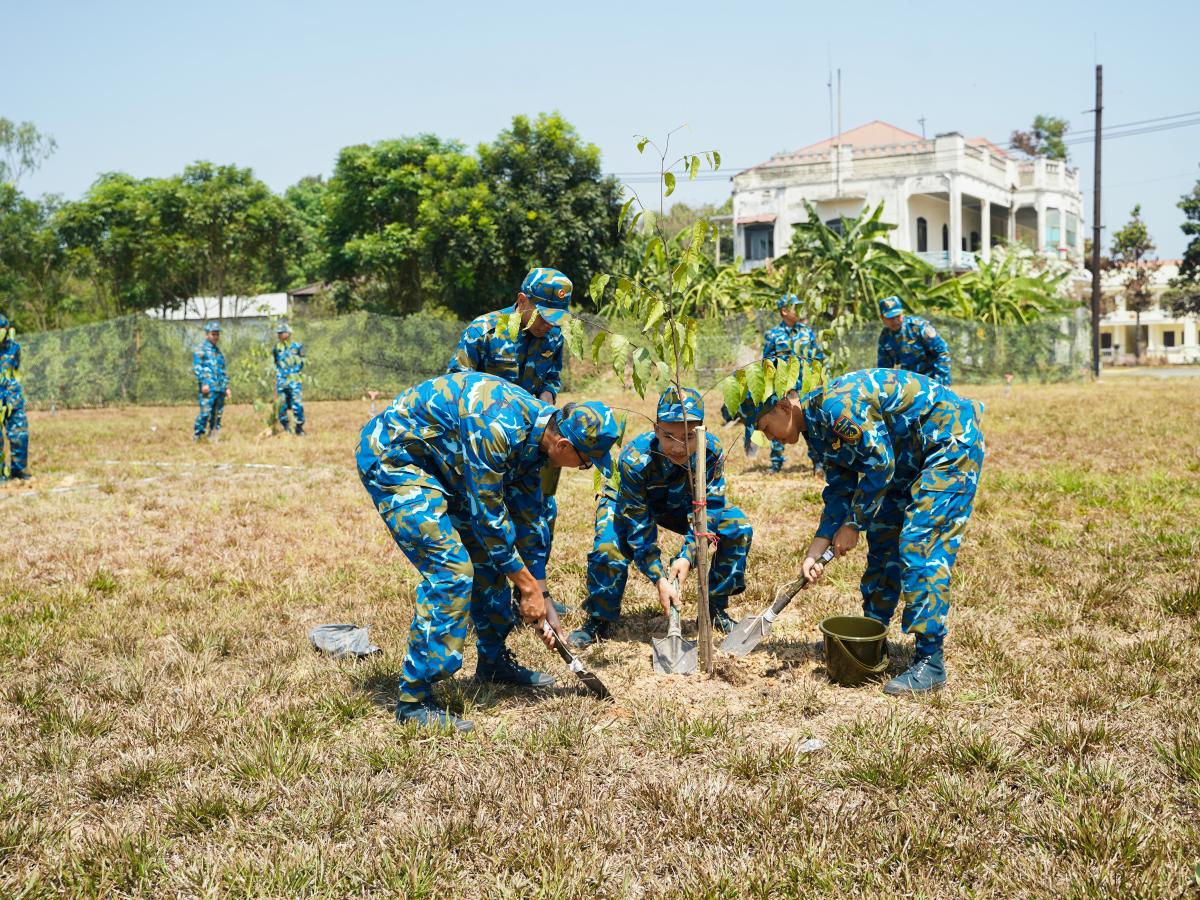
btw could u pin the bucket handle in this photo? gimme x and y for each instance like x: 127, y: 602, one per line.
x: 857, y: 663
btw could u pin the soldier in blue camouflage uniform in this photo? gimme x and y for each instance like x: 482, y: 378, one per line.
x: 208, y: 365
x: 790, y: 338
x: 902, y: 457
x: 453, y: 466
x: 12, y: 407
x: 652, y: 490
x: 910, y: 342
x: 289, y: 361
x: 532, y: 360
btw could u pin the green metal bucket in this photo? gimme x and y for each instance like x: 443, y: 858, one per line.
x: 855, y: 649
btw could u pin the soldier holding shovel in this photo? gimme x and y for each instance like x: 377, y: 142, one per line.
x: 653, y: 491
x: 902, y: 457
x: 453, y: 467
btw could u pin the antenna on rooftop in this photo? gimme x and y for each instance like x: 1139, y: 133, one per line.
x: 922, y: 121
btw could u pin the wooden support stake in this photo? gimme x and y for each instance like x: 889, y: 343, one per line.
x: 700, y: 528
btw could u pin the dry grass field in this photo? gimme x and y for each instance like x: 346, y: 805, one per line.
x: 166, y: 730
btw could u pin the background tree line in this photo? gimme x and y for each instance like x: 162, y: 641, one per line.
x: 401, y: 225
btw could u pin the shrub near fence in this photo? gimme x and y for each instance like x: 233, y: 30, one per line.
x: 140, y: 360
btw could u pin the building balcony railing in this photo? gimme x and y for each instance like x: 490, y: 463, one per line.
x: 940, y: 259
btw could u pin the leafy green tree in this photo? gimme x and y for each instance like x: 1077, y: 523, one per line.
x: 1045, y: 138
x: 853, y: 265
x: 33, y: 270
x: 128, y: 237
x: 372, y: 234
x: 307, y: 200
x: 1004, y: 290
x: 239, y: 229
x: 554, y: 206
x: 23, y: 149
x: 1131, y: 249
x: 1184, y: 293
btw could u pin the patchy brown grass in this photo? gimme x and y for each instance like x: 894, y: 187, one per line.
x: 166, y: 730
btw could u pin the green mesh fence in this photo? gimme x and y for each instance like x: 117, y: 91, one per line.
x: 139, y: 360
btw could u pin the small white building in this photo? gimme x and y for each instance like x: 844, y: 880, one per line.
x: 1164, y: 338
x: 951, y: 198
x: 201, y: 309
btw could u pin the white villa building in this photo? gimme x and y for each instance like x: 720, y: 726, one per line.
x: 1165, y: 338
x: 951, y: 198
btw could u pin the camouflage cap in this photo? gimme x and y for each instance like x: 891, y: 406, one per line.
x: 592, y: 430
x: 670, y: 409
x: 550, y: 290
x: 890, y: 307
x: 787, y: 300
x: 282, y: 327
x: 750, y: 409
x: 212, y: 325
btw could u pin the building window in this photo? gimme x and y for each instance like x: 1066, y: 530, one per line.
x: 1053, y: 230
x: 1072, y: 232
x: 945, y: 238
x: 1168, y: 338
x: 1106, y: 340
x: 760, y: 242
x: 975, y: 242
x: 922, y: 234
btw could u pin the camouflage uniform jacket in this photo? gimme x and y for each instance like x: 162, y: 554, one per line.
x: 474, y: 438
x: 916, y: 347
x: 783, y: 342
x: 208, y: 363
x: 289, y: 360
x: 651, y: 487
x: 533, y: 363
x: 879, y: 426
x: 10, y: 367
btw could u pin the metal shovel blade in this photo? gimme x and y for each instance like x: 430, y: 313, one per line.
x: 748, y: 635
x: 673, y: 655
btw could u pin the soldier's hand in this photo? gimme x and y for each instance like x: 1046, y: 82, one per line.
x: 680, y: 569
x: 812, y: 569
x: 667, y: 595
x: 532, y: 604
x: 845, y: 540
x: 204, y: 389
x: 228, y: 394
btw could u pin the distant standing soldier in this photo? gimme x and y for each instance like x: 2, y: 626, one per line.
x: 453, y: 466
x: 289, y: 360
x: 790, y: 338
x: 910, y: 342
x: 12, y: 407
x: 902, y: 457
x: 652, y: 491
x: 208, y: 364
x: 533, y: 360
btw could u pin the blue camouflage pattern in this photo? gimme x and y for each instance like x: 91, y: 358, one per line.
x: 680, y: 406
x: 782, y: 343
x: 208, y: 365
x: 653, y: 492
x: 902, y: 456
x: 534, y: 363
x: 890, y: 307
x: 915, y: 347
x: 289, y: 391
x: 12, y: 405
x: 453, y: 468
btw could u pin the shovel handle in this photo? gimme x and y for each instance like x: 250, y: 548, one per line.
x: 673, y: 627
x: 790, y: 591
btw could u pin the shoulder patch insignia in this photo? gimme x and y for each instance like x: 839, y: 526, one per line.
x: 930, y: 332
x: 847, y: 429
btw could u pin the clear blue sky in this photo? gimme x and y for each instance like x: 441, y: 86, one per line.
x: 148, y: 87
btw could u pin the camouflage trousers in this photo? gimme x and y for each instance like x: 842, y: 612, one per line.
x: 456, y: 578
x: 212, y: 405
x: 912, y: 543
x: 16, y: 429
x: 539, y: 558
x: 290, y: 396
x: 608, y: 563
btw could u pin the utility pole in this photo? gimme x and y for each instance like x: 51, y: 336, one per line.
x: 837, y: 147
x: 1096, y: 229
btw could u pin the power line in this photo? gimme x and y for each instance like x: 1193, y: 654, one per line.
x: 1088, y: 131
